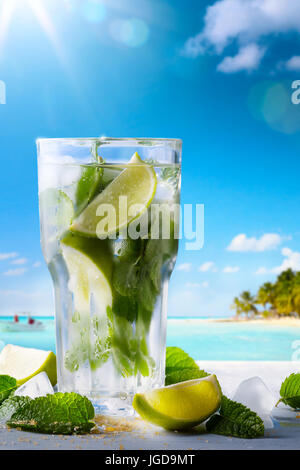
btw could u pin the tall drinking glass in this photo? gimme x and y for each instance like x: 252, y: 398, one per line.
x: 109, y: 212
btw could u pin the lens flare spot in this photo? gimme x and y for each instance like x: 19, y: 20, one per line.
x: 275, y: 103
x: 133, y: 32
x: 271, y: 102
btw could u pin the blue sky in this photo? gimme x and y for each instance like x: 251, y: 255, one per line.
x: 217, y: 75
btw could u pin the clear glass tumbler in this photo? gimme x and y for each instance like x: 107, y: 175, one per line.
x: 109, y: 212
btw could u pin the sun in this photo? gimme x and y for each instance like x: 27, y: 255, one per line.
x: 8, y: 8
x: 6, y: 14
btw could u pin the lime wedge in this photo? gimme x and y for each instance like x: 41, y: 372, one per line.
x: 89, y: 263
x: 137, y: 183
x: 58, y: 207
x: 180, y: 406
x: 25, y: 363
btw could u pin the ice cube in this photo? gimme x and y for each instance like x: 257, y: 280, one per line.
x: 255, y: 394
x: 50, y: 175
x: 38, y: 386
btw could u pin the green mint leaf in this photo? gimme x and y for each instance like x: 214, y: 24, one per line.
x: 126, y: 278
x: 166, y: 248
x: 11, y: 405
x: 181, y: 367
x: 137, y: 278
x: 236, y: 420
x: 290, y: 391
x: 125, y: 307
x: 144, y: 315
x: 170, y: 175
x: 129, y: 250
x: 155, y: 272
x: 123, y: 347
x: 7, y: 386
x: 61, y: 413
x: 147, y: 294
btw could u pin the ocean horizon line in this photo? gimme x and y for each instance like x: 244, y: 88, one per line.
x: 170, y: 317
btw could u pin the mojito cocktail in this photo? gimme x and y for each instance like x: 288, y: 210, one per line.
x: 109, y: 211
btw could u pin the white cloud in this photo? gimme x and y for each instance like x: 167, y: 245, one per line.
x: 21, y: 294
x: 35, y: 297
x: 4, y: 256
x: 191, y: 285
x: 293, y: 63
x: 247, y: 58
x: 208, y: 266
x: 231, y: 269
x: 292, y: 260
x: 15, y: 272
x: 19, y: 261
x: 261, y: 270
x: 268, y: 241
x: 243, y: 22
x: 37, y: 264
x: 184, y: 267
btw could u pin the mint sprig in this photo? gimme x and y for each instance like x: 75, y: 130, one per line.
x: 7, y: 386
x: 180, y: 367
x: 61, y: 413
x: 236, y: 420
x: 290, y: 391
x: 11, y: 405
x: 136, y: 286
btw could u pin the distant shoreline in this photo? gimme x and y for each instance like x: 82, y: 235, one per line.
x: 285, y: 321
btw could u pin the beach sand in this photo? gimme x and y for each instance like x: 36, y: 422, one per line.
x: 257, y: 321
x: 263, y: 321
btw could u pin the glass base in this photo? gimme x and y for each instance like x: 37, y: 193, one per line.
x: 106, y: 402
x: 110, y: 406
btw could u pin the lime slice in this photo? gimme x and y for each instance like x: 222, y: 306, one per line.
x: 89, y: 263
x: 58, y: 208
x: 182, y: 405
x: 25, y: 363
x: 137, y: 183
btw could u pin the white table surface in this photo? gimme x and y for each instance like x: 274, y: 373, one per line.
x: 285, y: 435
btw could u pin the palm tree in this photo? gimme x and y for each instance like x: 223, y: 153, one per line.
x: 279, y: 298
x: 295, y: 295
x: 266, y: 295
x: 284, y: 292
x: 237, y: 306
x: 245, y: 303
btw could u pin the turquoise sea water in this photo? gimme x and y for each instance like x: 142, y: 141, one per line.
x: 202, y: 340
x: 37, y: 339
x: 233, y: 341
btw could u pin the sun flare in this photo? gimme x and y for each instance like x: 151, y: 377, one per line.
x: 6, y: 14
x: 39, y: 10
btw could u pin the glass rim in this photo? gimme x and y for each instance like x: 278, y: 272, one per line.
x: 108, y: 139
